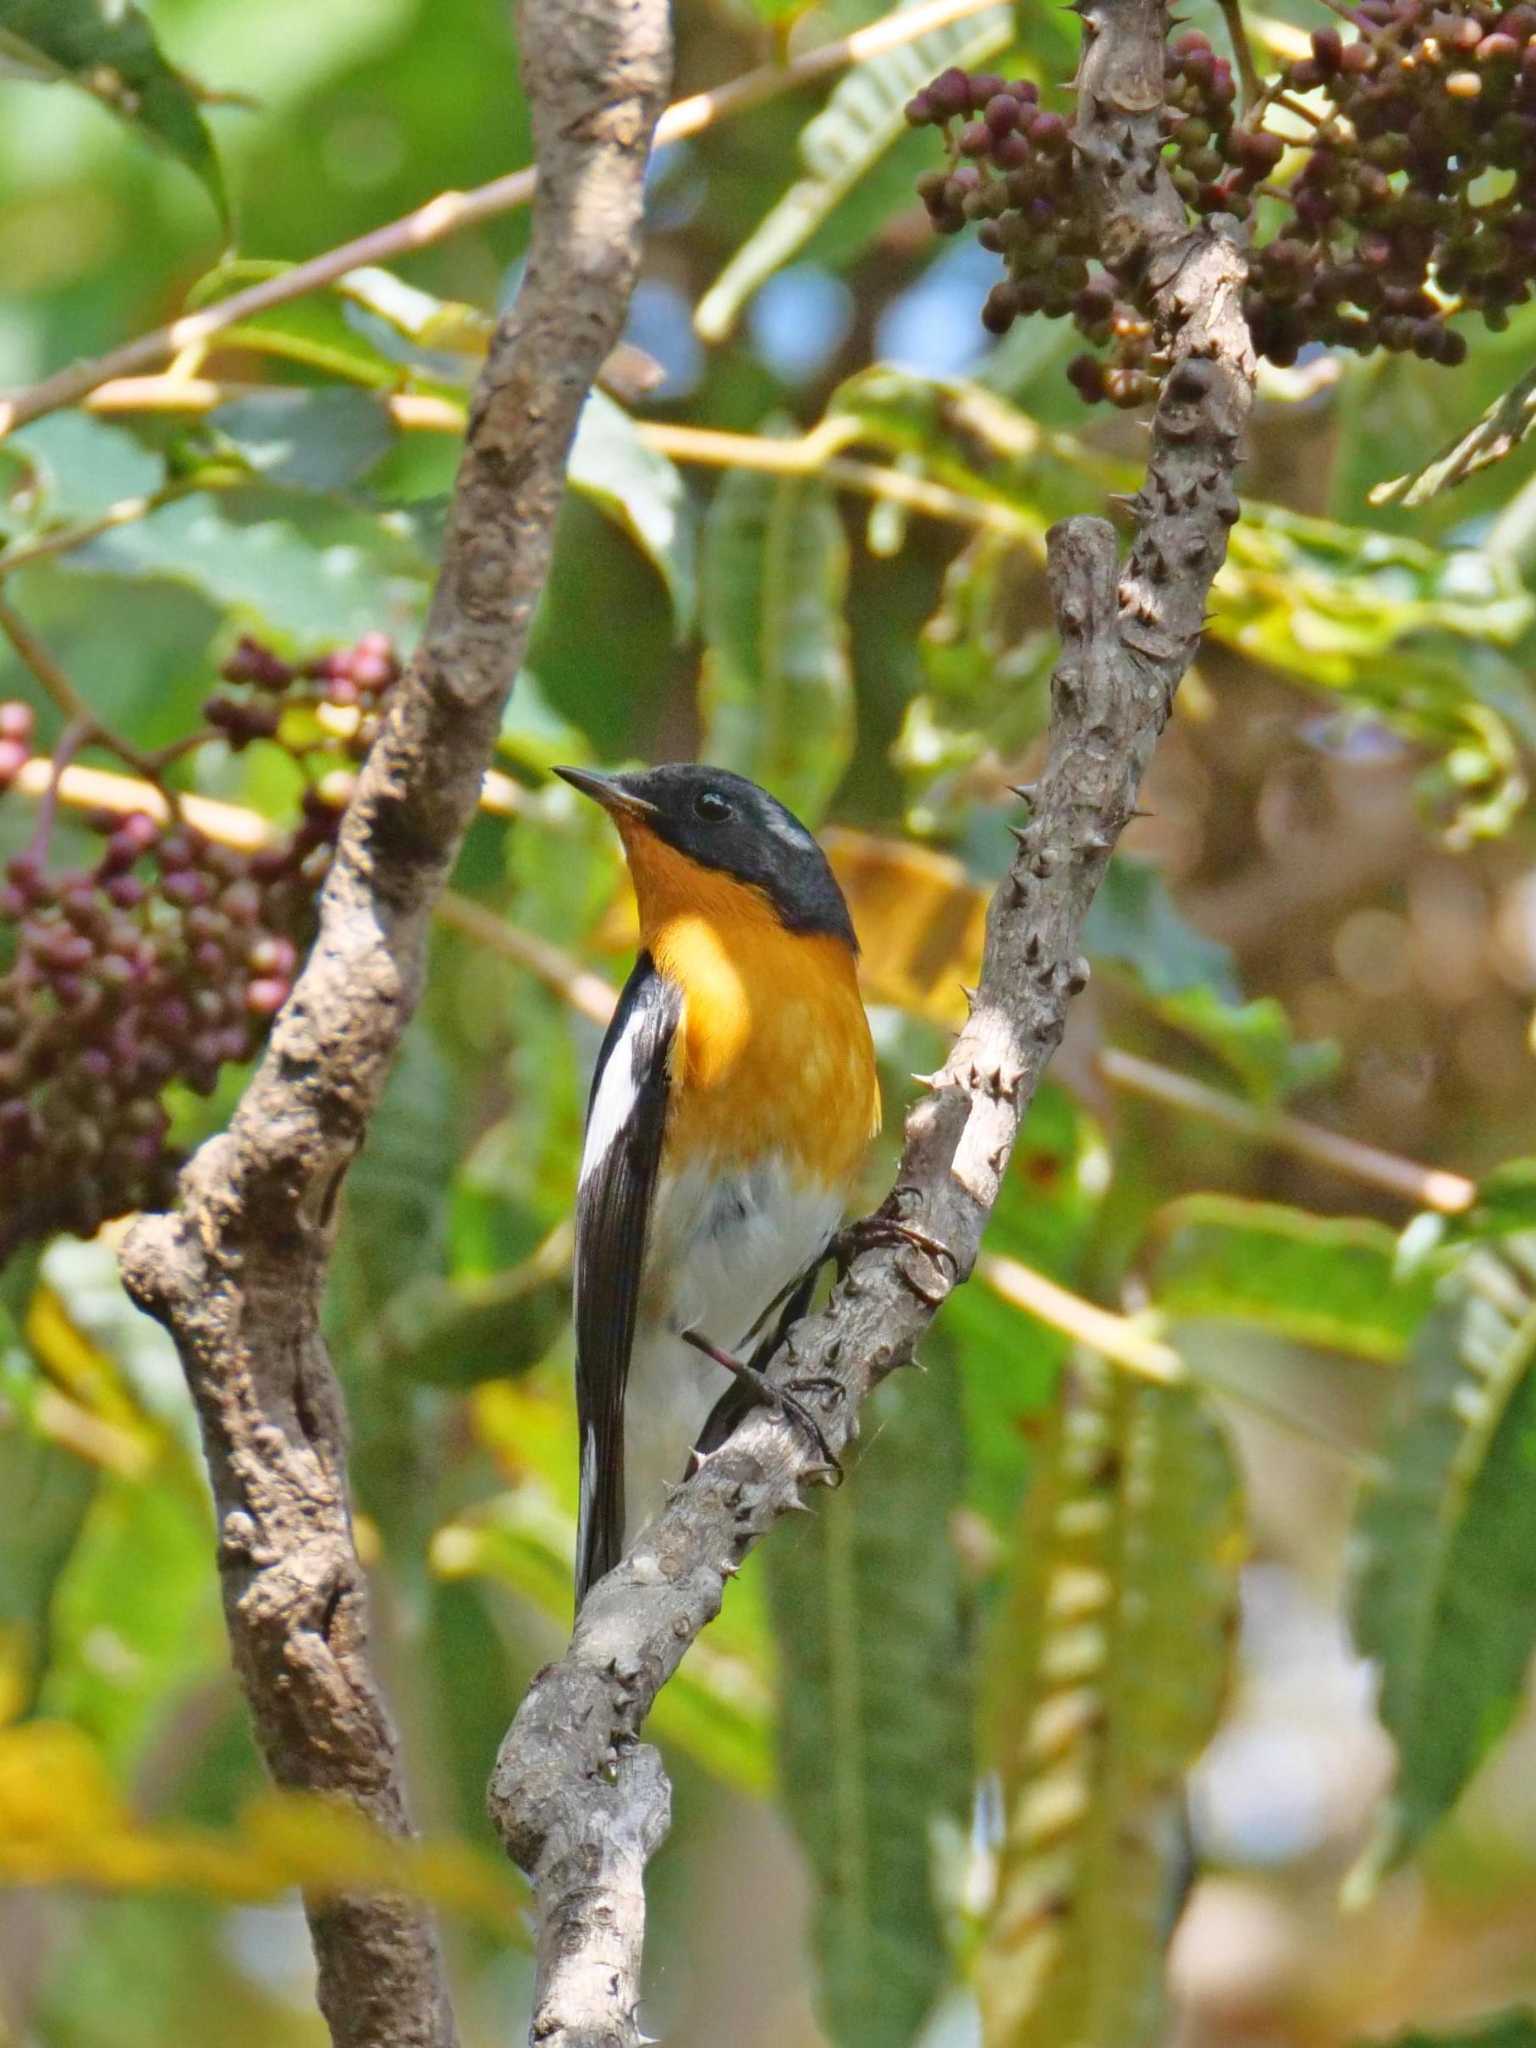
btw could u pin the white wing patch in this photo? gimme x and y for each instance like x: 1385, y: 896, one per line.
x: 614, y: 1103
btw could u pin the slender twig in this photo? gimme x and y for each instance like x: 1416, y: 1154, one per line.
x: 1427, y: 1187
x: 808, y: 455
x: 576, y: 985
x: 238, y: 1272
x: 452, y: 212
x: 90, y: 789
x: 802, y: 455
x: 1114, y: 1337
x: 62, y: 690
x: 412, y: 411
x: 70, y: 741
x: 1242, y: 52
x: 55, y: 680
x: 59, y: 540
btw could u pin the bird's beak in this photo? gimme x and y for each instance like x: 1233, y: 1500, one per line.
x: 608, y: 790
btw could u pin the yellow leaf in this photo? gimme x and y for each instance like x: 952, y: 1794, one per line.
x: 920, y: 920
x: 54, y: 1786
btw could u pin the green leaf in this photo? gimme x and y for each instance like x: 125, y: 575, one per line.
x: 1513, y: 2029
x: 1254, y: 1039
x: 1324, y: 600
x: 452, y: 1333
x: 305, y: 567
x: 1191, y: 983
x: 642, y: 491
x: 1445, y: 1598
x: 440, y: 338
x: 135, y: 1614
x: 778, y: 686
x: 1128, y: 1546
x: 1401, y: 632
x: 1497, y: 432
x: 1048, y: 1216
x: 83, y: 466
x: 49, y: 1494
x: 1315, y: 1279
x: 839, y: 147
x: 1133, y: 919
x: 1505, y: 1201
x: 108, y: 49
x: 319, y: 440
x: 875, y: 1719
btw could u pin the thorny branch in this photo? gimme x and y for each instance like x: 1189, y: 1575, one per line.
x: 580, y: 1803
x: 237, y: 1272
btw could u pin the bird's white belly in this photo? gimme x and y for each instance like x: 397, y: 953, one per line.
x: 720, y: 1249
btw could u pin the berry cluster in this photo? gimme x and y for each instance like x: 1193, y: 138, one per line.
x: 159, y: 961
x: 1411, y: 196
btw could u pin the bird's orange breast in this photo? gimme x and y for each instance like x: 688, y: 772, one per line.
x: 774, y: 1052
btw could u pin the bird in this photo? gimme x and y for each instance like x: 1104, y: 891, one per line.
x: 734, y: 1099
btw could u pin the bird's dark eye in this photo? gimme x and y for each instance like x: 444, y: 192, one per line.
x: 711, y: 806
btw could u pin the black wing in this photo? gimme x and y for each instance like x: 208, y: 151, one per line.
x: 626, y: 1117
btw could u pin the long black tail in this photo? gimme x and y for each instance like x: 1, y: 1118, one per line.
x: 600, y: 1522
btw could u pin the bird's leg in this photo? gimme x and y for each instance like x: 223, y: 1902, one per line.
x: 754, y: 1389
x: 871, y: 1231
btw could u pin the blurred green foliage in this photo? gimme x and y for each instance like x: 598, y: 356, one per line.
x: 809, y: 545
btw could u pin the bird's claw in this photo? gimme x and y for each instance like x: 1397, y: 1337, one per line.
x: 873, y: 1231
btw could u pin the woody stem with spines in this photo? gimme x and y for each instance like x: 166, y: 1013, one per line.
x: 580, y: 1802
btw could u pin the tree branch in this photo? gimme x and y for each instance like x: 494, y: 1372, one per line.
x: 237, y: 1273
x: 575, y: 1798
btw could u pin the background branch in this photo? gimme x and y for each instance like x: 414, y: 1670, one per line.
x: 574, y: 1796
x: 451, y: 212
x: 237, y: 1273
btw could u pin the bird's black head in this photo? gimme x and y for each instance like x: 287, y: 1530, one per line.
x: 723, y: 821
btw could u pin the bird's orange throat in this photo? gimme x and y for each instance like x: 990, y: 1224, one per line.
x: 774, y: 1051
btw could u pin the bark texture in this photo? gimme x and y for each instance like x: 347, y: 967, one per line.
x: 579, y: 1800
x: 237, y: 1271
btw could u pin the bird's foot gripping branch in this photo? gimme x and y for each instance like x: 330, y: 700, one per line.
x: 579, y: 1801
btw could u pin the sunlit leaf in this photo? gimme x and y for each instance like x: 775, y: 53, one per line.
x: 308, y: 440
x: 642, y: 490
x: 108, y: 49
x: 1315, y: 1279
x: 441, y: 337
x: 305, y: 568
x: 64, y: 1821
x: 778, y: 687
x: 1497, y: 432
x: 1129, y: 1545
x: 921, y: 920
x: 875, y: 1738
x: 80, y: 467
x: 1445, y: 1598
x: 1325, y: 602
x: 860, y: 121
